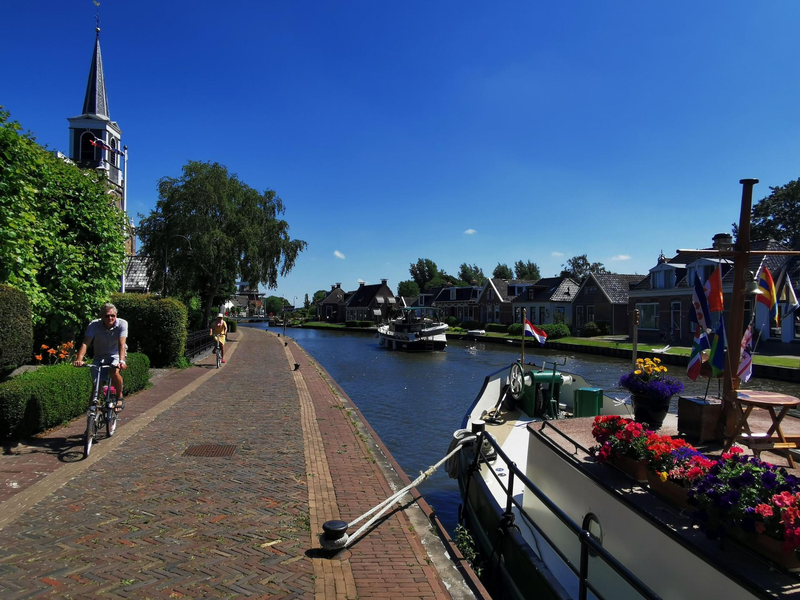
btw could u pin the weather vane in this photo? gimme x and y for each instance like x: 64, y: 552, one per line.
x: 97, y: 15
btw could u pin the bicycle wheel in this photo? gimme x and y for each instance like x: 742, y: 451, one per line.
x: 111, y: 421
x: 91, y: 430
x: 219, y: 356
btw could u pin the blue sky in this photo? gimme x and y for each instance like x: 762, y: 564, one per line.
x: 457, y: 131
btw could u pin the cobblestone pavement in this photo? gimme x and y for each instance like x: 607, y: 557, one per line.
x: 144, y: 520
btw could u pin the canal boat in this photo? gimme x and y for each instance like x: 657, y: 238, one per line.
x: 414, y: 330
x: 552, y: 522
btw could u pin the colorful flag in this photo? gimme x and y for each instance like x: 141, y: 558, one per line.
x: 718, y: 345
x: 699, y: 344
x: 713, y: 290
x: 104, y: 146
x: 745, y: 371
x: 789, y: 298
x: 699, y: 312
x: 768, y: 297
x: 535, y: 332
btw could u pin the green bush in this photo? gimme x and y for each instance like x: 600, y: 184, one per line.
x: 156, y: 326
x: 351, y: 323
x: 555, y: 331
x: 452, y: 321
x: 233, y: 325
x: 515, y: 329
x: 16, y: 329
x: 49, y: 396
x: 604, y: 327
x: 366, y: 324
x: 496, y: 328
x: 591, y: 329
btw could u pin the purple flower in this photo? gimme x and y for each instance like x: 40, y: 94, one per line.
x: 769, y: 480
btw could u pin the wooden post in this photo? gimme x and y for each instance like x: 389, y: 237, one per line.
x: 524, y: 318
x: 635, y: 336
x: 736, y: 325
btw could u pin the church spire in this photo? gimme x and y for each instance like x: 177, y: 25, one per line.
x: 96, y: 100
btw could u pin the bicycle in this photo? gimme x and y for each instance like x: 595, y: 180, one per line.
x: 100, y: 415
x: 217, y: 349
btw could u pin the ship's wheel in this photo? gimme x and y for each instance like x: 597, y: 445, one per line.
x: 516, y: 381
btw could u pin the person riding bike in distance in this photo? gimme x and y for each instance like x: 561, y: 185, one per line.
x: 219, y: 328
x: 109, y: 335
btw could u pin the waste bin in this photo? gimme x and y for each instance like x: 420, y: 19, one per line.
x: 588, y: 402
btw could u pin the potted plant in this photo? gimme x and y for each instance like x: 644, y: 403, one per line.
x: 673, y: 466
x: 651, y: 390
x: 753, y: 501
x: 623, y: 443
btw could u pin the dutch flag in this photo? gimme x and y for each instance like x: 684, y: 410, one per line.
x: 535, y: 332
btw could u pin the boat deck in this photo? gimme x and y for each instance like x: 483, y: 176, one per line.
x: 754, y: 572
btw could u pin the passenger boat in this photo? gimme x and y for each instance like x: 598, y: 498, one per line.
x: 413, y: 332
x: 552, y: 522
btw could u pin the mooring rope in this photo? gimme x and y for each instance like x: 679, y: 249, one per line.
x: 460, y: 438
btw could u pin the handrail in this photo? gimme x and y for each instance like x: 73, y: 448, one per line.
x: 587, y: 540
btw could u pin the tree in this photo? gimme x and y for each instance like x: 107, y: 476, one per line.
x: 62, y: 238
x: 777, y: 216
x: 502, y: 271
x: 423, y: 271
x: 527, y: 270
x: 306, y: 302
x: 470, y: 273
x: 408, y: 288
x: 320, y: 295
x: 578, y: 268
x: 273, y: 305
x: 209, y: 229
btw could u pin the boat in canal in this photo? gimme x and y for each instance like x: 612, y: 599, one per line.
x: 551, y: 521
x: 414, y: 330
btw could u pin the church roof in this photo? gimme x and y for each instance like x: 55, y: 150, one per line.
x: 96, y: 101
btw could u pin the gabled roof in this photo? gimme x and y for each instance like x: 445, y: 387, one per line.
x: 336, y: 296
x: 365, y: 294
x: 463, y: 294
x: 96, y: 101
x: 616, y: 286
x: 555, y: 289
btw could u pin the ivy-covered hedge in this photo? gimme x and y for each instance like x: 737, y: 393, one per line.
x: 49, y: 396
x: 233, y: 325
x: 16, y: 329
x: 156, y: 326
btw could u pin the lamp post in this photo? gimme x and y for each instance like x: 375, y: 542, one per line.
x: 166, y: 250
x: 124, y: 205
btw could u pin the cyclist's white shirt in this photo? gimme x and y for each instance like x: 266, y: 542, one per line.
x: 106, y: 341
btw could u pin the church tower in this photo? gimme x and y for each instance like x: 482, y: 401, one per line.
x: 94, y: 139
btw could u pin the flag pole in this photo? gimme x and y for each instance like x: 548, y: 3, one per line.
x: 524, y: 318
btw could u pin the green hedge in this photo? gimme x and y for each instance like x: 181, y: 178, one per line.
x: 554, y: 331
x: 496, y: 328
x: 49, y: 396
x: 591, y: 329
x: 359, y: 324
x: 16, y: 329
x: 156, y: 326
x: 233, y: 325
x: 473, y: 325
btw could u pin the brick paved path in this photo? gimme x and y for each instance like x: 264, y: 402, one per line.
x: 142, y: 520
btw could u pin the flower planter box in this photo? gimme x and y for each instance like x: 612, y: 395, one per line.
x: 633, y: 468
x: 669, y: 491
x: 769, y: 548
x: 698, y: 419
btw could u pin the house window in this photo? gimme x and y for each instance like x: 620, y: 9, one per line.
x: 542, y: 314
x: 579, y: 316
x: 648, y: 315
x: 112, y: 156
x: 496, y: 313
x: 517, y: 315
x: 560, y: 315
x: 589, y: 314
x: 87, y: 150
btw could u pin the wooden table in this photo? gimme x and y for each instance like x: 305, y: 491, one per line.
x: 774, y: 439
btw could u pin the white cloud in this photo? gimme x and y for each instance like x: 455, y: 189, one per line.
x: 621, y: 257
x: 470, y: 232
x: 556, y: 253
x: 338, y: 254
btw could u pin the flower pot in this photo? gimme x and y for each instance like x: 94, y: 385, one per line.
x: 769, y: 548
x: 633, y: 468
x: 649, y: 410
x: 669, y: 491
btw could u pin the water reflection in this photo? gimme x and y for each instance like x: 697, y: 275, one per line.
x: 415, y: 401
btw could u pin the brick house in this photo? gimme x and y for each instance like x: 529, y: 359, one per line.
x: 371, y: 303
x: 331, y: 309
x: 458, y: 302
x: 604, y: 297
x: 549, y: 300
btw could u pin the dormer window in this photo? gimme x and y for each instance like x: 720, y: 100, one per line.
x: 662, y: 279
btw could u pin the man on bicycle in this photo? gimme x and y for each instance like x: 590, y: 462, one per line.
x: 220, y: 328
x: 109, y: 335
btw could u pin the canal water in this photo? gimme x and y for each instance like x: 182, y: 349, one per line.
x: 415, y: 401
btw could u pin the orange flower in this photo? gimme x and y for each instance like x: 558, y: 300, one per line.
x: 44, y: 347
x: 62, y: 356
x: 38, y: 357
x: 51, y: 351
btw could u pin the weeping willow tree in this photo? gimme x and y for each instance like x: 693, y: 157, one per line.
x: 209, y: 229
